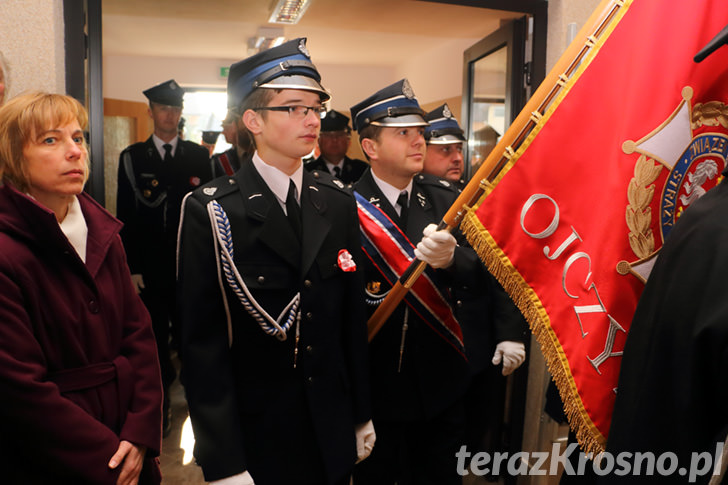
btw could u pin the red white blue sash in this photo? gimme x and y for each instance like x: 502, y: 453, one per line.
x: 391, y: 253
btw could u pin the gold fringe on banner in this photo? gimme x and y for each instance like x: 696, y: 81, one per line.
x: 538, y: 320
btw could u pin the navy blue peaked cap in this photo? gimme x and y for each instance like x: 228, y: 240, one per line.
x: 444, y: 128
x: 335, y: 121
x: 394, y: 105
x: 168, y: 93
x: 287, y: 66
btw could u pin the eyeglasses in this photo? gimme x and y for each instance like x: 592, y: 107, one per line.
x: 296, y: 111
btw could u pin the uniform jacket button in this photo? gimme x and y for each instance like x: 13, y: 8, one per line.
x: 459, y: 303
x: 261, y: 280
x: 307, y: 283
x: 309, y: 380
x: 93, y: 306
x: 309, y: 316
x: 309, y: 349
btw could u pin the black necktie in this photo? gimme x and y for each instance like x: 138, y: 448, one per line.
x: 167, y: 152
x: 337, y: 171
x: 403, y: 202
x: 293, y: 210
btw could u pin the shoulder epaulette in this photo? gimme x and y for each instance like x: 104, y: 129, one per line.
x: 329, y: 180
x: 432, y: 180
x: 216, y: 188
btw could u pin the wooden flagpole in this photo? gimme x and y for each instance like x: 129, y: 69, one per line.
x: 506, y: 147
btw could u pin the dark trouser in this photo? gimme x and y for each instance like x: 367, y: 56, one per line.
x: 419, y: 452
x: 484, y: 408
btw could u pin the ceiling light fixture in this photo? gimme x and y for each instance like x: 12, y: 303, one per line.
x: 267, y: 37
x: 288, y: 11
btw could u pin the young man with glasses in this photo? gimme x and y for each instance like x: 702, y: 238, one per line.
x: 274, y: 350
x: 334, y: 143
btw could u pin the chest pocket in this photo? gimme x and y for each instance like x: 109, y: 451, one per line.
x: 327, y: 265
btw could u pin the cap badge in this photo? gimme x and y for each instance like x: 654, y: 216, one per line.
x: 173, y: 85
x: 446, y: 112
x: 209, y: 191
x: 407, y: 90
x: 302, y: 47
x: 345, y: 261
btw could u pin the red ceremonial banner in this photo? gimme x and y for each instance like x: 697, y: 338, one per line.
x: 572, y: 224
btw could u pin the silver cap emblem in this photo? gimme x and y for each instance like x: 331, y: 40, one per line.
x: 407, y: 90
x: 302, y: 47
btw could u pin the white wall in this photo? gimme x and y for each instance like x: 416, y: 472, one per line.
x: 32, y: 41
x: 561, y: 14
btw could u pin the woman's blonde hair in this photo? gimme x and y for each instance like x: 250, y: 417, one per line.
x: 26, y: 116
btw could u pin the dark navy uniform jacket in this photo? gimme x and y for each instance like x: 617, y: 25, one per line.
x: 149, y: 197
x: 250, y: 407
x: 433, y: 375
x: 352, y: 170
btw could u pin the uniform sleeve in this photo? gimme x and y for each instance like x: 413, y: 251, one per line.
x: 204, y: 349
x: 508, y: 322
x: 32, y: 408
x: 126, y: 213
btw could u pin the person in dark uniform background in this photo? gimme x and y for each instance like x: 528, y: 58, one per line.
x: 445, y: 140
x: 418, y: 377
x: 228, y: 162
x: 334, y: 143
x: 154, y: 176
x: 271, y: 296
x: 493, y: 329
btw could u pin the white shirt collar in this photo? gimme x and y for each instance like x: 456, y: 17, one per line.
x: 331, y: 166
x: 159, y: 143
x: 390, y: 191
x: 75, y: 228
x: 278, y: 181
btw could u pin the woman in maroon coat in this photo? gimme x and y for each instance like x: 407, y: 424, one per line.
x: 80, y: 390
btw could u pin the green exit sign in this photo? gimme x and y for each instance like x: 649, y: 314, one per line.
x: 224, y: 71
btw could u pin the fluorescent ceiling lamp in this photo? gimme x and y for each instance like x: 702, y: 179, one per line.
x: 288, y: 11
x: 267, y: 37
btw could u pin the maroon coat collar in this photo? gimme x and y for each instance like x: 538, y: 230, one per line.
x: 23, y: 217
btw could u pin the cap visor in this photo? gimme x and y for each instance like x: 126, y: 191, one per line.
x: 445, y: 140
x: 404, y: 120
x: 297, y: 82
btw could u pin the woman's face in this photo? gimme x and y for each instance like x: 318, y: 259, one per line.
x: 55, y: 161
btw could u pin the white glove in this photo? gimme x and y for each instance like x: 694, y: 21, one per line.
x: 138, y: 282
x: 365, y: 438
x: 239, y: 479
x: 511, y: 353
x: 437, y: 248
